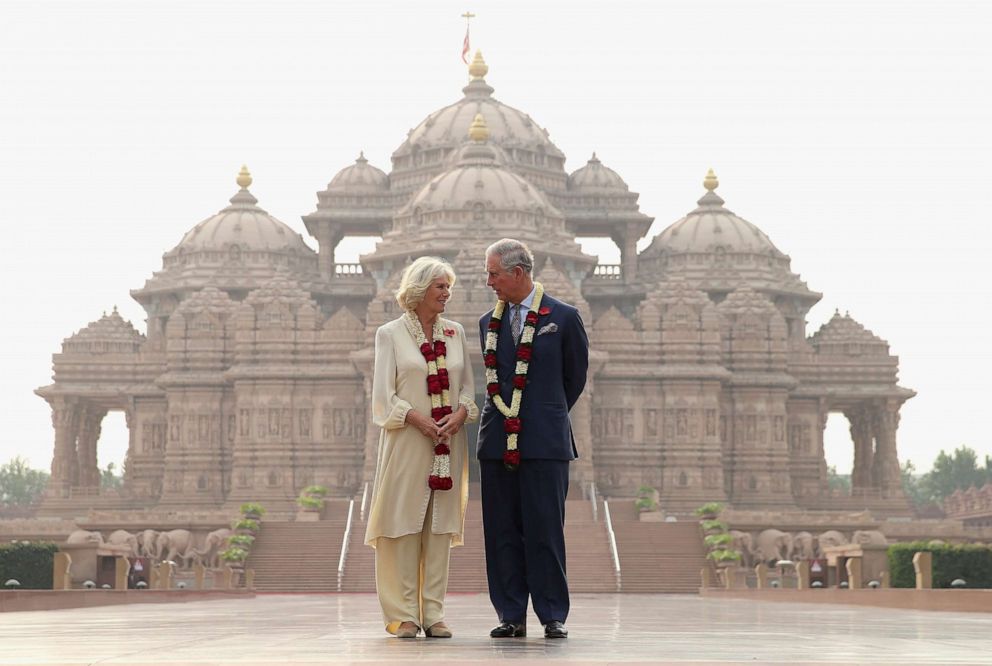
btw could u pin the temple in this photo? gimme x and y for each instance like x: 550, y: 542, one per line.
x: 252, y: 378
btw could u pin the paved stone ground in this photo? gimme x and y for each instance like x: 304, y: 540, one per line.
x: 346, y: 628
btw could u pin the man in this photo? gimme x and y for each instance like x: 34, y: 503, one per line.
x: 536, y: 345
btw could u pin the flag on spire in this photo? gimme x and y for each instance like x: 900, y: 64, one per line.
x: 468, y: 16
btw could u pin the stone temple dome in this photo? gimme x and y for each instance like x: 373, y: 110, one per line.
x: 360, y: 177
x: 242, y: 224
x: 595, y: 176
x: 431, y: 143
x: 476, y: 179
x: 235, y: 250
x: 711, y: 226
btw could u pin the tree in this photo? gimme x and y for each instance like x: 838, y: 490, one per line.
x: 19, y: 484
x: 838, y: 482
x: 109, y: 480
x: 911, y: 484
x: 960, y: 470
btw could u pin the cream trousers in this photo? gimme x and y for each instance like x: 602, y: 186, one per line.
x: 411, y: 576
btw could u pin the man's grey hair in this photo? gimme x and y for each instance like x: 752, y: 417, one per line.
x: 512, y: 253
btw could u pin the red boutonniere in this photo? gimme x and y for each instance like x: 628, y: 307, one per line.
x: 544, y: 311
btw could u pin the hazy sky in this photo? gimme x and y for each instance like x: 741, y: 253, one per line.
x: 857, y: 135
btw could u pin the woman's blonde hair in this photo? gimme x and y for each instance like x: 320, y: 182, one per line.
x: 418, y: 276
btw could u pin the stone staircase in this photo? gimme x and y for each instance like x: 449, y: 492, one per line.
x: 291, y: 556
x: 590, y: 565
x: 654, y: 557
x: 657, y: 558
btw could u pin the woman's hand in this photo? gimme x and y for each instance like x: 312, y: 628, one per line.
x: 450, y: 424
x: 424, y: 424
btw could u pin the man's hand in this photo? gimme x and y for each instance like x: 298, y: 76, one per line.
x: 449, y: 425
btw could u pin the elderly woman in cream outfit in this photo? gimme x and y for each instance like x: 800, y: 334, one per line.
x: 412, y: 526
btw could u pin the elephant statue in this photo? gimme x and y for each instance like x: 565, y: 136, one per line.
x: 148, y: 543
x: 803, y: 547
x: 84, y: 536
x: 830, y: 538
x: 176, y: 546
x: 124, y: 538
x: 772, y: 545
x: 744, y: 544
x: 869, y: 538
x: 215, y: 542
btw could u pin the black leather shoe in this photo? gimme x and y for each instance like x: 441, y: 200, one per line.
x: 509, y: 630
x: 555, y: 629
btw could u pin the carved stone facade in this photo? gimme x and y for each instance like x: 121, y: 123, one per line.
x: 253, y: 380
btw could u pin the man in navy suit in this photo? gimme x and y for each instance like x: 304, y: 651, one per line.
x: 523, y: 504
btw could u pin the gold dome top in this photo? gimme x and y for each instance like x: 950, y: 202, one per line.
x: 244, y: 177
x: 479, y: 131
x: 711, y: 182
x: 478, y: 69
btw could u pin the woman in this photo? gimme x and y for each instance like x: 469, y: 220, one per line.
x: 422, y: 395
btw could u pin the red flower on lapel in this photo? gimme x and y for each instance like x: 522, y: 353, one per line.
x: 545, y: 310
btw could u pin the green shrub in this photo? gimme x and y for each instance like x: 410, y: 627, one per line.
x: 234, y: 554
x: 309, y: 502
x: 715, y: 540
x: 709, y: 509
x: 713, y: 526
x: 245, y: 524
x: 315, y: 491
x: 969, y: 562
x: 252, y: 508
x: 724, y: 555
x: 30, y: 564
x: 241, y: 540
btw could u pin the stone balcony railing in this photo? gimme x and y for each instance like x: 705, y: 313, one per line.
x: 610, y: 272
x: 347, y: 270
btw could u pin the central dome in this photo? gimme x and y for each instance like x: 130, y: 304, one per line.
x: 525, y: 143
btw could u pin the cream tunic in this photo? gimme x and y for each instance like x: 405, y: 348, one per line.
x: 400, y: 493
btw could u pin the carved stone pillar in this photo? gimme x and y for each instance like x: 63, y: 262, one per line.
x: 65, y: 421
x: 90, y: 421
x: 861, y: 435
x: 626, y: 240
x: 885, y: 469
x: 329, y: 237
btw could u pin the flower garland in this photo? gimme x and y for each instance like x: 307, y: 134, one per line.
x: 437, y: 388
x: 511, y: 415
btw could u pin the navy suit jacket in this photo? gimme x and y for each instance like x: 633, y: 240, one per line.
x: 555, y: 380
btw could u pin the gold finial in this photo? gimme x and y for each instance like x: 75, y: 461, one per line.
x: 479, y: 131
x: 478, y: 69
x: 710, y: 182
x: 244, y: 178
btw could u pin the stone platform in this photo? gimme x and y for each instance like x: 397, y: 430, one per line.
x: 605, y: 628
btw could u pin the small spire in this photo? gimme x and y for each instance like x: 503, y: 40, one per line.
x: 479, y: 131
x: 478, y: 68
x: 115, y: 310
x: 244, y: 177
x: 594, y: 159
x: 711, y: 182
x: 361, y: 158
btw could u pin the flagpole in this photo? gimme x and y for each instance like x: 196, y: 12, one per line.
x: 468, y: 16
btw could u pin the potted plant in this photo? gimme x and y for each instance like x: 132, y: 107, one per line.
x: 646, y: 502
x: 724, y: 557
x: 245, y: 526
x: 718, y: 541
x: 252, y: 510
x: 709, y: 511
x: 234, y: 557
x: 713, y: 526
x: 243, y: 541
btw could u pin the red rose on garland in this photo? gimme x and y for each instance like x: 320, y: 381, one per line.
x: 439, y: 483
x: 433, y: 384
x: 519, y: 381
x: 511, y: 459
x: 493, y: 324
x: 440, y: 349
x: 442, y: 375
x: 492, y: 389
x: 531, y: 318
x: 442, y: 450
x: 524, y: 352
x: 511, y: 425
x: 490, y: 360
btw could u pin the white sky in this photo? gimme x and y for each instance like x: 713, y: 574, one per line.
x: 856, y: 134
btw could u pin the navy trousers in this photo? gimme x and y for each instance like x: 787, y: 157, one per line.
x: 523, y: 515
